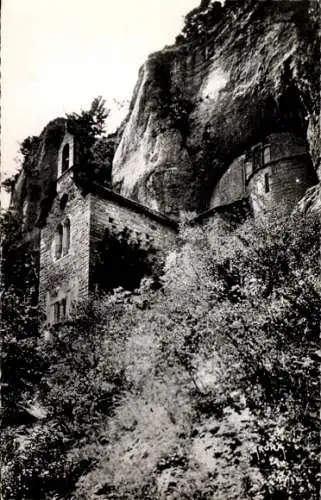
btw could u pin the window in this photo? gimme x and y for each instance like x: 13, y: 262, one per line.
x: 267, y: 183
x: 63, y: 201
x: 59, y: 310
x: 248, y: 166
x: 62, y: 239
x: 58, y: 242
x: 63, y: 309
x: 56, y: 312
x: 65, y: 158
x: 244, y: 175
x: 267, y: 154
x: 65, y: 155
x: 66, y: 237
x: 257, y: 157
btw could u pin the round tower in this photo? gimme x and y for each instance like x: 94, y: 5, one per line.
x: 278, y: 172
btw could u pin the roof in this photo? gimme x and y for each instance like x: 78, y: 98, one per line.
x: 238, y: 209
x: 109, y: 194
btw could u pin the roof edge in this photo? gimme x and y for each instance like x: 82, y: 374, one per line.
x: 109, y: 194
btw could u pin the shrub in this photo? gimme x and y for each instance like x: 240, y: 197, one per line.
x: 204, y: 388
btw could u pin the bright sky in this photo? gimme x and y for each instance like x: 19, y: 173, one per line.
x: 58, y: 55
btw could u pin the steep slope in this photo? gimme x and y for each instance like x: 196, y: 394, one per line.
x: 197, y: 105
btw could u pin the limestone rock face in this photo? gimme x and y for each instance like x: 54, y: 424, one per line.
x: 311, y: 201
x: 198, y: 105
x: 35, y: 188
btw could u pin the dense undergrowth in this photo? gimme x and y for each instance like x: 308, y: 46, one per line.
x: 206, y: 388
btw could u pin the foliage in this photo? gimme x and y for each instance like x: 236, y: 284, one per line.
x: 80, y: 375
x: 19, y: 259
x: 95, y: 150
x: 89, y: 124
x: 20, y: 364
x: 29, y: 145
x: 28, y: 150
x: 200, y: 20
x: 123, y: 258
x: 9, y: 182
x: 205, y: 388
x: 180, y: 109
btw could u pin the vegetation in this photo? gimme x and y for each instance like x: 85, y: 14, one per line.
x: 200, y: 20
x: 205, y: 388
x: 95, y: 149
x: 122, y: 259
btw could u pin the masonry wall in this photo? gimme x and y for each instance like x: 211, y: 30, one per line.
x: 221, y: 221
x: 289, y: 174
x: 231, y: 186
x: 142, y: 230
x: 69, y: 275
x: 288, y: 181
x: 289, y: 171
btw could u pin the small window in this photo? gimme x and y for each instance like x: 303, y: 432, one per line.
x: 58, y: 242
x: 66, y: 237
x: 63, y: 201
x: 257, y: 157
x: 267, y: 154
x: 267, y: 183
x: 56, y: 310
x: 248, y: 166
x: 65, y: 158
x: 59, y: 310
x: 62, y: 239
x: 63, y: 309
x: 244, y: 176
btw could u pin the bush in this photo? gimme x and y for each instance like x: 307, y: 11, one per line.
x: 204, y: 388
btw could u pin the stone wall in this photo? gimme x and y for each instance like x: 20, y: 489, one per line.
x: 281, y: 183
x: 231, y: 185
x: 287, y: 165
x: 145, y: 230
x: 219, y: 221
x: 69, y: 275
x: 282, y: 195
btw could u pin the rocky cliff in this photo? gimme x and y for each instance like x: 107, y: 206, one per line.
x: 35, y: 187
x: 198, y: 104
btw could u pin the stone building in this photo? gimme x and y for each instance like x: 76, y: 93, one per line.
x: 223, y: 126
x: 273, y: 174
x: 75, y: 229
x: 269, y: 177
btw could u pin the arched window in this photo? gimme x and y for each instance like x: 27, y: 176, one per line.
x: 66, y: 237
x: 58, y: 241
x: 267, y: 154
x: 62, y: 240
x: 65, y: 155
x: 65, y: 158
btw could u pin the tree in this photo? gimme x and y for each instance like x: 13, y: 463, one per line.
x: 200, y: 20
x: 89, y: 127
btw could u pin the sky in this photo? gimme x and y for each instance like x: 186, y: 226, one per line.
x: 59, y: 55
